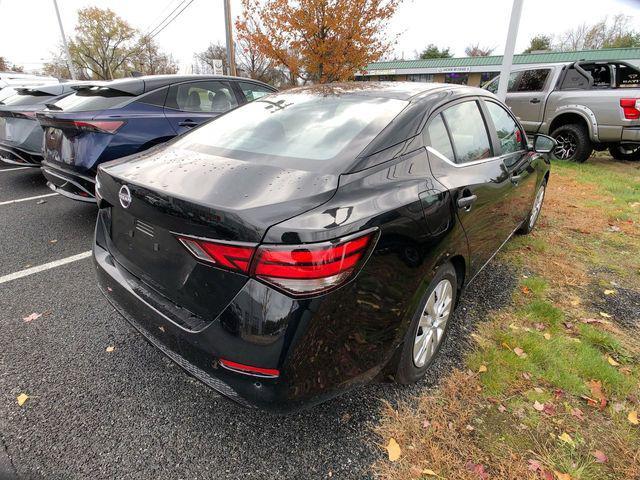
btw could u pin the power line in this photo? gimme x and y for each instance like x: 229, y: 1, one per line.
x: 159, y: 16
x: 166, y: 18
x: 172, y: 19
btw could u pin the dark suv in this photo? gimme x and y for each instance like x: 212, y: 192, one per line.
x: 105, y: 121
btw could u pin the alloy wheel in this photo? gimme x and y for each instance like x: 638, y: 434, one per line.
x: 433, y: 322
x: 566, y: 147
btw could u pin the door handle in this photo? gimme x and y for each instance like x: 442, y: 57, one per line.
x: 466, y: 202
x: 534, y: 100
x: 188, y: 123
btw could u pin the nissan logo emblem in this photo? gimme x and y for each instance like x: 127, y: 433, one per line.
x: 125, y: 196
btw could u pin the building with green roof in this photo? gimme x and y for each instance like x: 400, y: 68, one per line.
x: 476, y: 71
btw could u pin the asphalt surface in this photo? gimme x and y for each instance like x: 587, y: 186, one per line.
x: 131, y: 413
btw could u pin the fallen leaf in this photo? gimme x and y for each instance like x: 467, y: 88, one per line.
x: 540, y: 326
x: 579, y: 414
x: 604, y: 315
x: 633, y: 417
x: 23, y: 397
x: 547, y: 336
x: 609, y: 292
x: 625, y: 370
x: 566, y: 438
x: 600, y: 456
x: 549, y: 409
x: 534, y: 465
x: 33, y: 316
x: 482, y: 369
x: 428, y: 472
x: 40, y: 202
x: 612, y: 362
x: 478, y: 469
x: 393, y: 449
x: 161, y: 328
x: 526, y: 375
x: 538, y: 390
x: 53, y: 241
x: 538, y: 406
x: 618, y: 407
x: 562, y: 476
x: 426, y: 424
x: 519, y: 352
x: 110, y: 349
x: 502, y: 408
x: 596, y: 393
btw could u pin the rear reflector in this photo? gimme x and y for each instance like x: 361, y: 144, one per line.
x: 311, y: 268
x: 234, y: 257
x: 249, y: 370
x: 630, y: 108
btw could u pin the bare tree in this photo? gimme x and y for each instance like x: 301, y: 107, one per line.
x: 205, y: 60
x: 614, y: 33
x: 478, y: 51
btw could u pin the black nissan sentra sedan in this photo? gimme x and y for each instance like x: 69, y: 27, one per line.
x: 316, y: 239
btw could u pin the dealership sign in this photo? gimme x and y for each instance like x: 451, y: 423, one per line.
x: 453, y: 70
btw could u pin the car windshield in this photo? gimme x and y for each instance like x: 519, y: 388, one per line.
x: 287, y: 128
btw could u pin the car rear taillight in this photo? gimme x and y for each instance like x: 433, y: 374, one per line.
x: 630, y: 108
x: 299, y: 270
x: 310, y: 269
x: 100, y: 126
x: 235, y: 257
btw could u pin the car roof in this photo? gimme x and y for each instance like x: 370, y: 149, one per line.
x: 147, y: 83
x: 408, y: 91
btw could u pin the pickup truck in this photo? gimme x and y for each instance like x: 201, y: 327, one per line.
x: 584, y: 105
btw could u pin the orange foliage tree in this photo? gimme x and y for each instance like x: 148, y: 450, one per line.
x: 318, y: 40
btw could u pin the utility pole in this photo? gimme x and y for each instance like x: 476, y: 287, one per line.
x: 72, y: 69
x: 231, y: 57
x: 507, y: 59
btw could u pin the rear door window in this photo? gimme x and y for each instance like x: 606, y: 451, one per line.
x: 509, y: 134
x: 95, y: 98
x: 533, y: 80
x: 253, y: 91
x: 205, y: 97
x: 468, y: 132
x: 439, y: 137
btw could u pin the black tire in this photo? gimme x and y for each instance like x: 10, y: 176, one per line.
x: 531, y: 220
x: 574, y: 144
x: 406, y: 371
x: 629, y: 152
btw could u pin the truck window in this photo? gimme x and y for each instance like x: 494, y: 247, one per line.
x: 513, y: 81
x: 533, y: 80
x: 574, y: 80
x: 601, y: 74
x: 627, y: 77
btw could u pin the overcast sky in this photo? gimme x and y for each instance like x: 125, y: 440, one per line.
x: 29, y: 31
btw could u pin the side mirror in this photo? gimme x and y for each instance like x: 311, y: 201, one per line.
x: 543, y: 143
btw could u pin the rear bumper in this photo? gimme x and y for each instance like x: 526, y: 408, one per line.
x: 631, y: 134
x: 18, y: 156
x: 70, y: 184
x: 316, y: 345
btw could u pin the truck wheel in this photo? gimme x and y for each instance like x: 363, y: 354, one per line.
x: 574, y: 144
x: 625, y: 151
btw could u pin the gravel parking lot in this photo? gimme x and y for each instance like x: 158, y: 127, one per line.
x: 131, y: 413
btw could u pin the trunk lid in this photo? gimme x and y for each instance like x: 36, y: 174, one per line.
x: 174, y: 191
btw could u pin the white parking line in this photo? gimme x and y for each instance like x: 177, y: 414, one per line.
x: 16, y: 168
x: 9, y: 202
x: 46, y: 266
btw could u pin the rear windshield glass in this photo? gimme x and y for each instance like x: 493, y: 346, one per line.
x: 627, y: 77
x: 26, y: 98
x: 299, y: 126
x: 96, y: 98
